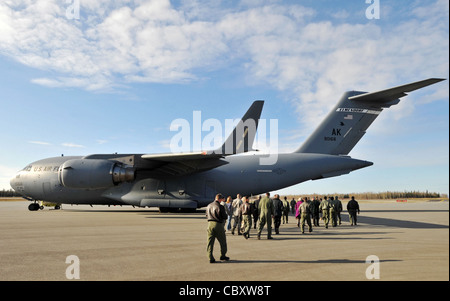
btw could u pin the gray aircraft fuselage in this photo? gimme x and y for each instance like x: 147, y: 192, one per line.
x: 191, y: 180
x: 40, y: 181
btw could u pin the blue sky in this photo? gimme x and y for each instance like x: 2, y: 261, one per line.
x: 114, y: 79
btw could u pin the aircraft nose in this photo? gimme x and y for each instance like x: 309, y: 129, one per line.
x: 12, y: 182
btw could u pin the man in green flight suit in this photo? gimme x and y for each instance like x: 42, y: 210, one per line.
x: 266, y: 211
x: 324, y: 206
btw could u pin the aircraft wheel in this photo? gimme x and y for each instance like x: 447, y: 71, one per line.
x: 33, y: 207
x: 57, y: 207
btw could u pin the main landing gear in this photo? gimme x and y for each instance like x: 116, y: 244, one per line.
x: 35, y: 207
x: 40, y: 205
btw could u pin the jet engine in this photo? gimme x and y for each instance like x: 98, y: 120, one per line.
x: 94, y: 174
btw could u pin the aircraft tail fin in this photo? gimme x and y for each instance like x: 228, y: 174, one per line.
x: 347, y: 123
x: 243, y: 135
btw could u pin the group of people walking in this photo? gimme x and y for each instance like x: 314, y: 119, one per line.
x: 243, y: 213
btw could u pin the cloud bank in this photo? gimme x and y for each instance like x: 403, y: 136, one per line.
x: 112, y: 44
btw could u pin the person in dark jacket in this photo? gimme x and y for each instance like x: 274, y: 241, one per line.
x: 255, y: 211
x: 278, y: 212
x: 353, y: 208
x: 286, y: 209
x: 216, y: 215
x: 315, y: 211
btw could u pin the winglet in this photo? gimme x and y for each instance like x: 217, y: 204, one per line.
x: 243, y: 135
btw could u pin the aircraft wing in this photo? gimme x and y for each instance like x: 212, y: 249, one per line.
x: 391, y: 96
x: 178, y: 164
x: 174, y: 157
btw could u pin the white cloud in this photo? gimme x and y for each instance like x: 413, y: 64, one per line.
x: 39, y: 142
x: 73, y: 145
x: 121, y: 42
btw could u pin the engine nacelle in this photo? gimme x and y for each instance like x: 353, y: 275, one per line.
x: 94, y: 174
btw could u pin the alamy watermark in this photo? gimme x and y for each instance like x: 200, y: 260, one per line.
x: 373, y: 270
x: 373, y: 10
x: 207, y: 135
x: 73, y: 270
x: 73, y: 10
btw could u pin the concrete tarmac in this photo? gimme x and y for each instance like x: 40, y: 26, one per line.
x: 411, y: 241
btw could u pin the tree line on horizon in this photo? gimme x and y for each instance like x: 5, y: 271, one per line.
x: 10, y: 193
x: 387, y: 195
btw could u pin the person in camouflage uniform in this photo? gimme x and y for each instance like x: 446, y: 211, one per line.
x: 305, y: 215
x: 333, y: 211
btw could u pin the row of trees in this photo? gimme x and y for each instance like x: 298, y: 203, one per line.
x: 8, y: 193
x: 387, y: 195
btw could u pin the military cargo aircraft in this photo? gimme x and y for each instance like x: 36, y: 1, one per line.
x: 174, y: 181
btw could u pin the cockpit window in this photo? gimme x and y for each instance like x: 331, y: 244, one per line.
x: 28, y: 168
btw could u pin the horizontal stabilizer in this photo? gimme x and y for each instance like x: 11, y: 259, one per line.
x: 392, y: 94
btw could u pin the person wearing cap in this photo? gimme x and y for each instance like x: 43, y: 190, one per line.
x: 216, y: 216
